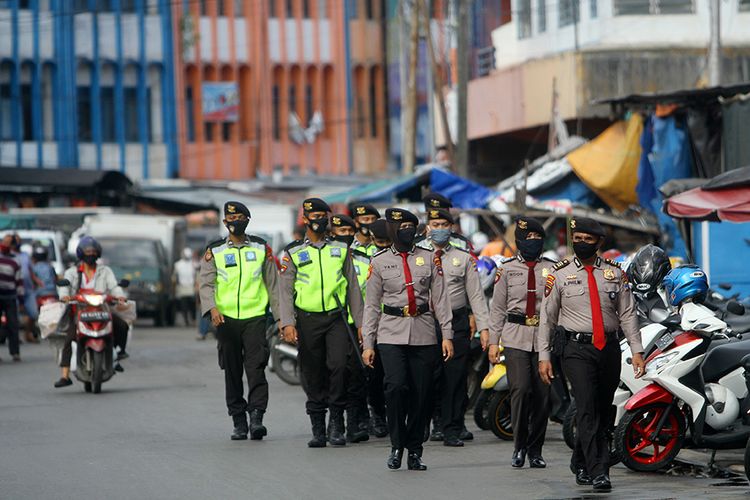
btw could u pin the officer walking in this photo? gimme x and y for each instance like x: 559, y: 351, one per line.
x: 238, y: 279
x: 464, y: 289
x: 514, y: 319
x: 590, y: 298
x: 364, y: 214
x: 406, y: 293
x: 317, y: 274
x: 434, y: 200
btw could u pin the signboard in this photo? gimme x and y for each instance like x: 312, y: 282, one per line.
x: 221, y: 101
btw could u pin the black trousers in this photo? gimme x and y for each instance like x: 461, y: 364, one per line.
x: 9, y: 306
x: 323, y: 357
x: 529, y: 400
x: 375, y: 389
x: 356, y: 380
x: 409, y: 372
x: 242, y: 345
x: 593, y: 376
x: 454, y: 398
x: 119, y: 336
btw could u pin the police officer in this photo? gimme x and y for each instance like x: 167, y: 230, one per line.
x: 364, y: 215
x: 343, y: 229
x: 590, y: 298
x: 464, y: 289
x: 318, y: 281
x: 514, y: 319
x: 238, y: 280
x: 434, y: 200
x: 405, y: 294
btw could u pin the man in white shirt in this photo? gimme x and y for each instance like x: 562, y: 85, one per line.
x: 184, y: 276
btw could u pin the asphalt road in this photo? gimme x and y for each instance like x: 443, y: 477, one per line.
x: 160, y: 430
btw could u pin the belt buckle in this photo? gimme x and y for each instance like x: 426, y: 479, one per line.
x: 405, y: 311
x: 532, y: 321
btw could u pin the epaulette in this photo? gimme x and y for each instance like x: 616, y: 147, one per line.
x: 613, y: 263
x: 293, y: 245
x: 548, y: 259
x: 359, y: 253
x: 424, y: 244
x: 257, y: 239
x: 215, y: 243
x: 465, y: 250
x: 561, y: 264
x: 379, y: 252
x: 505, y: 260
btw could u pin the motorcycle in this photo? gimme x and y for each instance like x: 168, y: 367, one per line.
x: 492, y: 409
x: 696, y: 384
x: 283, y: 358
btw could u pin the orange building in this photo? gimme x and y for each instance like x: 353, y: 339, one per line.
x: 292, y: 65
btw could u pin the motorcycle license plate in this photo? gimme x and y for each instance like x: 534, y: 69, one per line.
x: 94, y: 316
x: 665, y: 341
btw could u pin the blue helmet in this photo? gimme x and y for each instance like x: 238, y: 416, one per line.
x: 487, y: 269
x: 685, y: 282
x: 88, y: 242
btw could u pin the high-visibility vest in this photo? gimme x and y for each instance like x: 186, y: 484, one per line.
x: 320, y: 275
x: 240, y: 290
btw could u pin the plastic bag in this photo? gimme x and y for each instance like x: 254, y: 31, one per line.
x: 49, y: 318
x: 126, y: 312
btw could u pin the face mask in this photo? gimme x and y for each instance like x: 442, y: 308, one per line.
x: 90, y: 259
x: 585, y: 250
x: 364, y: 229
x: 530, y: 249
x: 237, y: 227
x: 405, y: 239
x: 440, y: 236
x: 348, y: 240
x: 318, y: 226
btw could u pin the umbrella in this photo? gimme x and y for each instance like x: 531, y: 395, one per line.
x: 726, y: 197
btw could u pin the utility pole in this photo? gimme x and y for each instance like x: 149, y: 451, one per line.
x: 410, y: 121
x: 714, y: 45
x: 461, y: 163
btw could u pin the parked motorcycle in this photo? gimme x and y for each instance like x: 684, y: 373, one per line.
x: 492, y: 410
x: 283, y: 358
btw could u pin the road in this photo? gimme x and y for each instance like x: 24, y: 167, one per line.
x: 160, y: 431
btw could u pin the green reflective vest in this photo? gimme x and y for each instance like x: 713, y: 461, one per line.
x: 361, y: 263
x: 240, y: 290
x: 369, y: 249
x: 320, y: 276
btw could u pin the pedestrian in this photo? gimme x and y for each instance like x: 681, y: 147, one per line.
x: 11, y: 293
x: 238, y: 281
x: 406, y: 294
x: 466, y: 297
x: 184, y: 277
x: 514, y: 321
x: 22, y: 252
x: 318, y: 283
x: 364, y: 215
x: 590, y: 298
x: 343, y: 229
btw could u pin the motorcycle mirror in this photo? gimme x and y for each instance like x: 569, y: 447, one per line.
x: 725, y: 286
x: 63, y: 282
x: 124, y: 283
x: 658, y: 315
x: 735, y: 307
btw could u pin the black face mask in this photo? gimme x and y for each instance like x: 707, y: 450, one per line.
x: 90, y: 259
x: 348, y: 240
x: 237, y: 227
x: 364, y: 229
x: 405, y: 239
x: 585, y: 250
x: 530, y: 249
x: 318, y: 226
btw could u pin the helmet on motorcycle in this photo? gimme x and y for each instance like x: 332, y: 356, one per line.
x: 686, y: 282
x: 86, y: 243
x: 487, y: 269
x: 40, y: 254
x: 648, y: 268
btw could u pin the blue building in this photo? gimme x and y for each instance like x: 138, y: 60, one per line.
x: 88, y: 84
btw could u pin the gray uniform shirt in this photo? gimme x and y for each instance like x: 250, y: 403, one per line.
x: 509, y: 295
x: 566, y: 303
x: 207, y: 278
x: 288, y: 277
x: 386, y: 285
x: 462, y: 281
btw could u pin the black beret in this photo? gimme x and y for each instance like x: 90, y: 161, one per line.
x: 434, y: 200
x: 586, y: 225
x: 341, y: 220
x: 358, y: 209
x: 235, y: 207
x: 526, y: 225
x: 379, y: 229
x: 315, y: 205
x: 439, y: 213
x: 400, y: 215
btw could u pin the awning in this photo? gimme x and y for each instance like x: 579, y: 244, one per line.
x: 383, y: 191
x: 729, y: 204
x: 61, y: 180
x: 462, y: 192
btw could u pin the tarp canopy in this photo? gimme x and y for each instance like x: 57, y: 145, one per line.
x: 609, y: 163
x: 382, y: 191
x: 739, y: 177
x: 730, y: 204
x: 462, y: 192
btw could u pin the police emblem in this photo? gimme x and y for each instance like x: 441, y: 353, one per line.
x: 435, y: 203
x: 522, y: 224
x: 545, y: 272
x: 360, y: 210
x: 307, y: 206
x: 335, y: 252
x: 419, y: 261
x: 434, y: 214
x: 396, y: 215
x: 336, y: 221
x: 609, y: 274
x: 231, y: 209
x: 572, y: 223
x: 230, y: 260
x: 456, y: 262
x: 304, y: 256
x: 250, y: 257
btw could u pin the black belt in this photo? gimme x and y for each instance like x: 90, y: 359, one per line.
x: 404, y: 311
x: 586, y: 337
x: 522, y: 319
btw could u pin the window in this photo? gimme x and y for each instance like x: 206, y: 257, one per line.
x: 645, y: 7
x: 107, y: 95
x: 27, y: 122
x: 373, y: 102
x: 369, y: 9
x: 593, y: 8
x: 128, y: 5
x: 226, y: 131
x: 24, y: 4
x: 306, y: 9
x: 189, y: 114
x: 271, y: 8
x: 323, y: 9
x: 239, y: 8
x: 289, y: 11
x: 292, y: 99
x: 569, y: 12
x: 80, y: 6
x: 275, y: 98
x: 308, y: 102
x: 208, y: 132
x: 541, y: 9
x: 220, y: 8
x: 6, y: 110
x: 131, y: 115
x: 524, y: 19
x: 83, y: 95
x: 203, y: 7
x: 744, y: 5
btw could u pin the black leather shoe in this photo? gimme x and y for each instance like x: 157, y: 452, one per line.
x: 537, y: 462
x: 453, y: 442
x: 63, y: 382
x: 240, y: 428
x: 414, y: 462
x: 394, y: 459
x: 519, y: 458
x: 583, y: 478
x: 466, y: 435
x: 437, y: 435
x: 602, y: 483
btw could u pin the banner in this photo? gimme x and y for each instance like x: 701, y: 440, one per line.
x: 221, y: 102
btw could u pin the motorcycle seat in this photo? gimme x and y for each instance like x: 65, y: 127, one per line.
x: 738, y: 324
x: 723, y: 359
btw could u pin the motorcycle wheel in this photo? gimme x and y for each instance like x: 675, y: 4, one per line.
x: 499, y: 415
x: 285, y: 367
x: 87, y: 386
x: 480, y: 409
x: 634, y: 446
x: 569, y: 426
x: 97, y: 373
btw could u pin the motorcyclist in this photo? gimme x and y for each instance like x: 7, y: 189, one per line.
x: 44, y: 272
x: 89, y: 276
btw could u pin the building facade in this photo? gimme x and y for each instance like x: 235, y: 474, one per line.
x: 303, y: 87
x: 88, y: 84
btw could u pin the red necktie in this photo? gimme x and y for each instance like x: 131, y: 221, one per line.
x: 596, y: 310
x: 409, y: 285
x: 531, y: 291
x: 439, y: 256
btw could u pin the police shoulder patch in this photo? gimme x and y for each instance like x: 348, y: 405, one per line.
x: 293, y: 245
x: 548, y: 259
x: 561, y: 264
x: 613, y: 263
x: 379, y: 252
x: 549, y: 284
x: 257, y: 239
x: 498, y: 274
x: 369, y: 271
x: 209, y: 255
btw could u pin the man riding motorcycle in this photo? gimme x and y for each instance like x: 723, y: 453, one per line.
x: 90, y: 276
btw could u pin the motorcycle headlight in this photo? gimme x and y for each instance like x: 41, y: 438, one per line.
x: 94, y: 300
x: 153, y: 287
x: 660, y: 362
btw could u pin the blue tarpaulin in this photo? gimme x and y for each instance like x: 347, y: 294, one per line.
x: 462, y: 192
x: 570, y: 188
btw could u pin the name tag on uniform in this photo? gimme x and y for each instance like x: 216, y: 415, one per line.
x: 230, y: 260
x: 250, y: 257
x: 335, y: 252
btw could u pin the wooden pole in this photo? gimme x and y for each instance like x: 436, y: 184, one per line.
x: 410, y: 122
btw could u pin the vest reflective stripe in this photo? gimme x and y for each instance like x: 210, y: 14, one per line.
x: 240, y: 290
x: 362, y: 268
x: 320, y: 276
